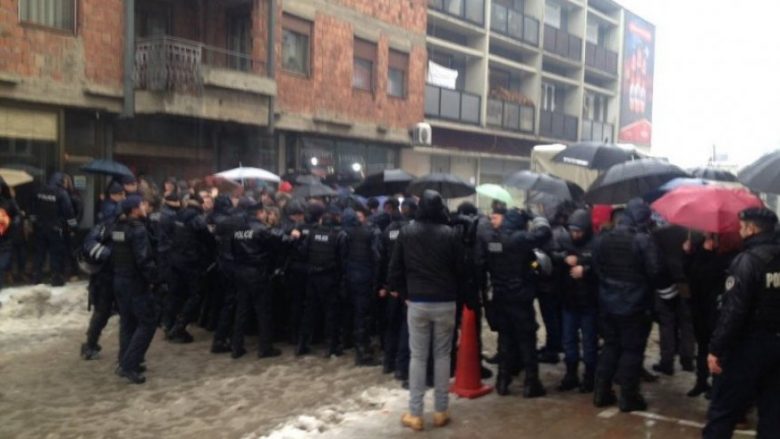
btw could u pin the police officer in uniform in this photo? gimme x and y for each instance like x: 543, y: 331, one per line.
x: 627, y: 263
x: 362, y: 278
x: 745, y: 348
x: 295, y: 268
x: 506, y: 256
x: 54, y: 219
x: 225, y: 221
x: 325, y: 249
x: 135, y: 271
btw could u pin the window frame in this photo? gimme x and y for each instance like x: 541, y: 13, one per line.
x: 73, y: 31
x: 365, y: 51
x: 301, y: 27
x: 398, y: 60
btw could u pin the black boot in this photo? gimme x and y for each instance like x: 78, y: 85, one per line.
x: 179, y: 334
x: 701, y: 387
x: 603, y: 395
x: 220, y: 347
x: 237, y: 352
x: 570, y: 380
x: 548, y: 357
x: 588, y: 380
x: 133, y: 376
x: 664, y: 368
x: 533, y: 388
x: 303, y: 347
x: 485, y: 373
x: 269, y: 353
x: 631, y: 400
x: 89, y: 352
x: 503, y: 380
x: 687, y: 364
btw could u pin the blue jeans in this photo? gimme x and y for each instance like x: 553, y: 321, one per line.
x: 430, y: 323
x: 576, y: 321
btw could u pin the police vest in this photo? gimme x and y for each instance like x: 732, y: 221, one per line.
x: 619, y: 261
x: 766, y: 314
x: 323, y: 247
x: 507, y: 260
x: 122, y: 253
x: 46, y: 206
x: 360, y: 244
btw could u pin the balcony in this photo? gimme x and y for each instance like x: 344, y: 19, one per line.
x: 510, y: 116
x: 597, y: 131
x: 188, y: 78
x: 601, y: 59
x: 514, y: 24
x: 472, y: 11
x: 454, y: 105
x: 562, y: 43
x: 557, y: 125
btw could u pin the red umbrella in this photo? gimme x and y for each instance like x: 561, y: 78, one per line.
x: 706, y: 208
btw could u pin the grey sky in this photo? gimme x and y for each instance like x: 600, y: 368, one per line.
x: 717, y: 77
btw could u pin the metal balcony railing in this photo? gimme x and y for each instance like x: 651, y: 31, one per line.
x: 597, y: 131
x: 557, y: 125
x: 170, y: 63
x: 562, y: 43
x: 510, y: 116
x: 601, y: 58
x: 455, y: 105
x: 468, y: 10
x: 514, y: 24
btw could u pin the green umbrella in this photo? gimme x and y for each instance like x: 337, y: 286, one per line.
x: 496, y: 192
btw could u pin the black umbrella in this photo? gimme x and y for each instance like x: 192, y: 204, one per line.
x: 763, y: 175
x: 631, y: 179
x: 715, y: 174
x: 595, y: 155
x: 387, y: 182
x: 107, y: 167
x: 547, y: 184
x: 447, y: 185
x: 313, y: 191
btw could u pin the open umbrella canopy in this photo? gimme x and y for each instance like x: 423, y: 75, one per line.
x: 249, y: 173
x: 673, y: 184
x: 763, y: 175
x: 631, y: 179
x: 595, y: 155
x: 447, y: 185
x: 107, y: 167
x: 15, y: 177
x: 387, y: 182
x: 714, y: 174
x: 706, y: 208
x: 547, y: 184
x: 316, y: 190
x: 496, y: 192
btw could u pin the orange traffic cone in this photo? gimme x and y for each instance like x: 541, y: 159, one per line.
x: 468, y: 377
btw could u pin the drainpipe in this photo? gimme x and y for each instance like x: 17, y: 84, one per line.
x: 128, y: 109
x: 271, y: 62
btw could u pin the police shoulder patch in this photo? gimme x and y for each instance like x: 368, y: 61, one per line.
x: 730, y: 282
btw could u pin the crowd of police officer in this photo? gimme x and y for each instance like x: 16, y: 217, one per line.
x: 317, y: 272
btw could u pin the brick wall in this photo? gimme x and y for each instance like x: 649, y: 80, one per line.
x: 328, y: 90
x: 39, y: 53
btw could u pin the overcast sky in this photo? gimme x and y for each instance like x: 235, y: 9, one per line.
x: 717, y: 77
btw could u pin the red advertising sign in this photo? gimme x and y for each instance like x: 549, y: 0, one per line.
x: 636, y: 100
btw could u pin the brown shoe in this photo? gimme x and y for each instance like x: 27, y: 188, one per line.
x: 413, y: 422
x: 440, y: 419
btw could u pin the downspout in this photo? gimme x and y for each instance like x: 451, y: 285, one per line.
x: 271, y: 63
x: 128, y: 109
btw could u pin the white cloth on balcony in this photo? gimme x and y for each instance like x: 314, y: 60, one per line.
x: 441, y: 76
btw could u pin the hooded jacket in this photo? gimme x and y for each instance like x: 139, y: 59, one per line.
x: 54, y: 208
x: 427, y: 262
x: 363, y: 249
x: 581, y: 293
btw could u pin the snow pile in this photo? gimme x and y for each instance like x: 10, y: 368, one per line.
x: 326, y: 418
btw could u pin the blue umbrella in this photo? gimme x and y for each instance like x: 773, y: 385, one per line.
x: 107, y: 167
x: 672, y: 184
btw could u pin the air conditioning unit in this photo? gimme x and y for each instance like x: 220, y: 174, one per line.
x: 422, y: 134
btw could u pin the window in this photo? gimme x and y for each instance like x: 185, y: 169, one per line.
x: 239, y: 25
x: 58, y: 14
x: 595, y: 107
x: 363, y: 65
x: 398, y: 65
x: 552, y: 15
x: 593, y: 34
x: 548, y: 96
x: 296, y: 34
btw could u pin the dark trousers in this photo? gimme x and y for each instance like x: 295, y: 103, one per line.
x: 751, y: 373
x: 625, y: 339
x: 703, y: 307
x: 551, y: 310
x: 395, y: 313
x: 137, y: 320
x: 295, y: 281
x: 186, y: 288
x: 322, y: 297
x: 5, y: 262
x: 676, y: 329
x: 253, y: 294
x: 49, y: 241
x: 576, y: 322
x: 228, y: 309
x: 360, y: 294
x: 517, y: 332
x: 102, y: 300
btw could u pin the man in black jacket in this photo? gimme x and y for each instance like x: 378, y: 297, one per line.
x: 225, y: 220
x: 627, y: 263
x: 425, y: 269
x: 506, y: 256
x: 54, y: 218
x: 745, y: 348
x: 134, y: 271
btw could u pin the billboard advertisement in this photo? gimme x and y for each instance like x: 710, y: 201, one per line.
x: 636, y: 100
